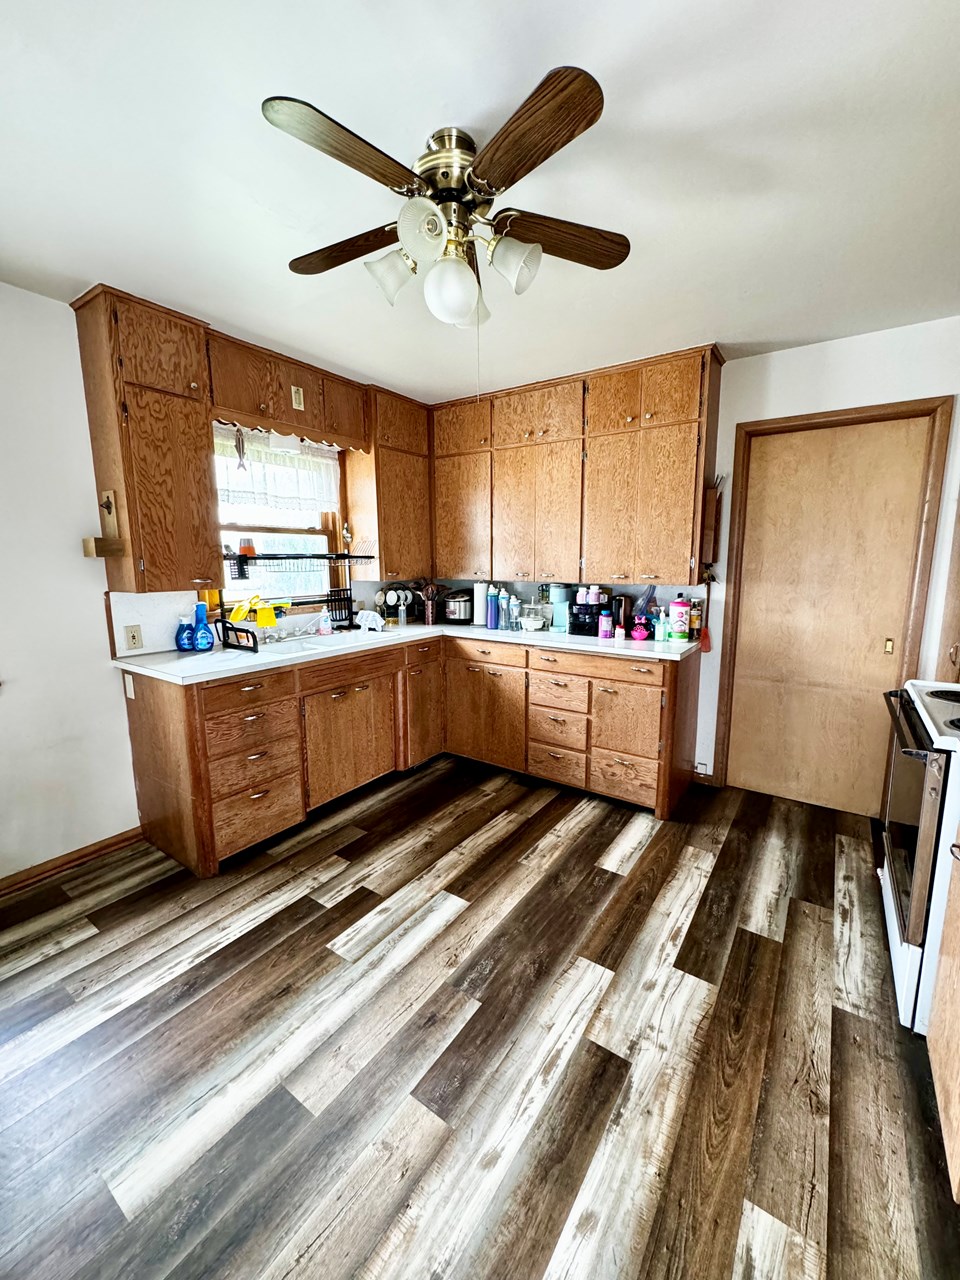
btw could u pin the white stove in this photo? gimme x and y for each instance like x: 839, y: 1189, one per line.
x: 921, y: 816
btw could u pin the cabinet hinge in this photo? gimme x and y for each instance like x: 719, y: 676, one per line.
x: 116, y: 316
x: 663, y: 699
x: 124, y: 410
x: 526, y: 679
x: 583, y: 456
x: 581, y: 562
x: 119, y: 362
x: 659, y: 748
x: 303, y: 710
x: 142, y: 567
x: 693, y: 562
x: 699, y: 438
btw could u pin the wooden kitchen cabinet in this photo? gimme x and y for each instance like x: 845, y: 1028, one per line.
x: 463, y: 427
x: 259, y: 384
x: 671, y: 390
x: 462, y: 516
x: 349, y: 736
x: 610, y: 508
x: 423, y: 689
x: 613, y: 401
x: 388, y: 511
x: 399, y: 423
x: 626, y: 717
x: 344, y: 418
x: 170, y: 450
x: 667, y: 503
x: 537, y: 416
x: 161, y: 350
x: 489, y: 722
x: 515, y: 513
x: 536, y: 512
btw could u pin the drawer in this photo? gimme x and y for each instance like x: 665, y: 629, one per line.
x: 425, y: 651
x: 236, y: 730
x: 559, y: 728
x: 626, y: 717
x: 250, y: 691
x: 256, y: 813
x: 636, y: 670
x: 330, y: 673
x: 249, y: 769
x: 557, y: 764
x: 506, y: 655
x: 560, y: 690
x: 626, y: 777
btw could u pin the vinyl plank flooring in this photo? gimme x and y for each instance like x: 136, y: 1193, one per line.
x: 768, y: 1248
x: 709, y: 812
x: 789, y: 1163
x: 627, y: 849
x: 17, y: 907
x: 859, y: 941
x: 774, y: 871
x: 86, y: 1218
x: 710, y: 935
x: 871, y: 1232
x: 815, y: 882
x: 698, y: 1218
x: 33, y: 1010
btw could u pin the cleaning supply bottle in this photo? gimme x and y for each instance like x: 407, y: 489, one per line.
x: 514, y: 613
x: 184, y: 636
x: 325, y: 625
x: 679, y: 618
x: 493, y: 612
x: 202, y: 631
x: 660, y: 631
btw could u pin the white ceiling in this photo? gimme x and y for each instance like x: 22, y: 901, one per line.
x: 785, y: 173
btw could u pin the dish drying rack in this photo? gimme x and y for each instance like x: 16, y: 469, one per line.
x: 339, y: 600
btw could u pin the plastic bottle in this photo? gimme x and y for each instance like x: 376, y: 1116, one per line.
x: 679, y: 618
x: 660, y: 631
x: 184, y: 637
x: 503, y: 609
x: 514, y: 613
x: 493, y: 613
x: 325, y: 625
x: 619, y: 632
x: 593, y: 595
x: 202, y: 631
x: 402, y: 614
x: 605, y: 630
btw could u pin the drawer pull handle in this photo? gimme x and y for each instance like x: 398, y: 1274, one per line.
x: 605, y: 689
x: 341, y: 694
x: 644, y: 671
x: 249, y: 688
x: 361, y: 688
x: 557, y: 719
x: 625, y: 763
x: 498, y: 674
x: 648, y: 575
x: 548, y: 573
x: 258, y: 795
x: 257, y: 755
x: 544, y: 658
x: 416, y: 671
x: 554, y: 755
x: 474, y: 668
x: 423, y: 648
x: 618, y: 575
x: 258, y: 716
x: 199, y: 582
x: 393, y: 573
x: 483, y: 651
x: 561, y: 684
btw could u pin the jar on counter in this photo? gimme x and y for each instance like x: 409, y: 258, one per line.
x: 605, y: 631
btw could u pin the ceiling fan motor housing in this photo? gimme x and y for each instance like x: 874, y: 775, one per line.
x: 444, y: 167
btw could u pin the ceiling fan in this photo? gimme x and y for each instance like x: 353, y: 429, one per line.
x: 450, y: 191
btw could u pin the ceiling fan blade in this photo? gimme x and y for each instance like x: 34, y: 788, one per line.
x: 589, y: 246
x: 308, y: 124
x: 335, y: 255
x: 564, y: 103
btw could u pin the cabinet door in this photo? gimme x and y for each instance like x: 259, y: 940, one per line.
x: 666, y: 510
x: 626, y: 717
x: 401, y: 424
x: 610, y: 508
x: 343, y: 409
x: 244, y: 379
x: 462, y: 516
x: 613, y: 402
x: 531, y: 417
x: 161, y: 351
x: 515, y: 513
x: 671, y: 390
x: 373, y: 726
x: 174, y: 495
x: 464, y: 683
x: 295, y: 394
x: 462, y: 428
x: 424, y: 688
x: 503, y: 740
x: 349, y: 737
x: 404, y: 514
x: 559, y: 489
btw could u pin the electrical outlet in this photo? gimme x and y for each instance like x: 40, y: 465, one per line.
x: 133, y: 637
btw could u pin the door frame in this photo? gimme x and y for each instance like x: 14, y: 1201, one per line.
x: 940, y: 412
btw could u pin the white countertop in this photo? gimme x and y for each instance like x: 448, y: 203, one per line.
x: 192, y: 668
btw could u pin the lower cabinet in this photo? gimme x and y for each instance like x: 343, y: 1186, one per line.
x: 349, y: 736
x: 424, y: 711
x: 487, y: 712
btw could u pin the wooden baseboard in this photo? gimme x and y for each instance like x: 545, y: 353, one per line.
x: 66, y: 862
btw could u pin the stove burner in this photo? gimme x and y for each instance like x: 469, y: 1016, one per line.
x: 945, y: 695
x: 954, y: 723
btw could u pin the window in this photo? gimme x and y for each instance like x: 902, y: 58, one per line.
x: 283, y: 494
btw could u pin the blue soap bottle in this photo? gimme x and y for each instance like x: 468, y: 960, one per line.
x: 202, y: 631
x: 184, y: 636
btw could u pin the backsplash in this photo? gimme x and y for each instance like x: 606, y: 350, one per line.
x: 156, y: 613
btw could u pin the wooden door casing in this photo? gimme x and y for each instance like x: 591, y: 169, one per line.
x: 610, y: 498
x: 665, y: 523
x: 515, y: 508
x: 462, y: 516
x: 943, y: 1033
x: 537, y: 416
x: 161, y: 351
x: 170, y: 446
x: 403, y: 489
x: 463, y: 427
x: 424, y: 707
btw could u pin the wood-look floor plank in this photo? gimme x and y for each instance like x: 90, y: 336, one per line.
x: 770, y: 1250
x: 23, y: 1015
x: 697, y: 1223
x: 625, y: 851
x: 49, y: 1250
x: 481, y: 877
x: 16, y: 907
x: 16, y: 965
x: 774, y: 871
x: 707, y: 942
x: 790, y: 1158
x: 709, y: 813
x: 859, y: 941
x: 815, y: 882
x: 871, y: 1233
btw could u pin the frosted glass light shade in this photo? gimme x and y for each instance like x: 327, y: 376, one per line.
x: 451, y: 291
x: 479, y: 315
x: 391, y: 273
x: 421, y: 229
x: 517, y: 262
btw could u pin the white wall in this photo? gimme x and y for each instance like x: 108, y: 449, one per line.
x: 65, y: 772
x: 910, y: 363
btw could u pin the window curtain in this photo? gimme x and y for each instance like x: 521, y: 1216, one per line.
x: 274, y: 480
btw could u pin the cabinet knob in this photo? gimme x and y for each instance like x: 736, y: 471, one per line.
x: 630, y: 417
x: 194, y: 386
x: 258, y: 795
x: 483, y: 439
x: 527, y: 435
x: 548, y: 573
x: 518, y: 574
x: 423, y: 648
x: 644, y: 671
x: 648, y: 415
x: 483, y: 651
x: 540, y: 432
x: 263, y: 408
x: 474, y: 668
x: 392, y: 573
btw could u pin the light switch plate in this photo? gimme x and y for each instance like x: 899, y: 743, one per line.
x: 133, y: 637
x: 296, y: 396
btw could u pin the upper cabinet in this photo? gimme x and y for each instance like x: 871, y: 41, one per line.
x: 536, y: 512
x: 388, y: 511
x: 161, y: 350
x: 259, y: 384
x: 652, y: 394
x: 538, y: 416
x: 343, y: 410
x: 463, y: 427
x: 399, y: 423
x: 462, y: 515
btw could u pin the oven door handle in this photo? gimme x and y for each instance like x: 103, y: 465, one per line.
x: 892, y: 699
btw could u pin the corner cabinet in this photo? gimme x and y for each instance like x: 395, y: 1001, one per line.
x: 147, y: 394
x: 388, y: 513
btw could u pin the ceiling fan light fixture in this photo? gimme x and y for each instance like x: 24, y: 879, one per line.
x: 479, y: 315
x: 517, y: 262
x: 451, y: 291
x: 422, y: 229
x: 391, y: 272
